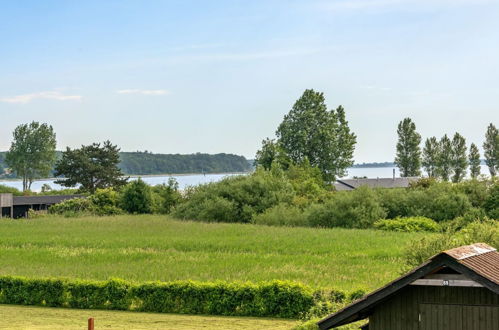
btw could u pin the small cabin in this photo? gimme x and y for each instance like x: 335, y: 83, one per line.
x: 18, y: 206
x: 457, y: 289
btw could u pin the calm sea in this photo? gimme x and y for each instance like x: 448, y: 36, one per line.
x: 195, y: 179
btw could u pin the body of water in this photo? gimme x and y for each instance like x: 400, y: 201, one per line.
x: 195, y: 179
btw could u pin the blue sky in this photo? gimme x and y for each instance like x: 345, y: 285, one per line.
x: 218, y: 76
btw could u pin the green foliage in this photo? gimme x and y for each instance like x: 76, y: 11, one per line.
x: 72, y: 207
x: 474, y: 161
x: 439, y: 202
x: 271, y: 154
x: 144, y: 163
x: 32, y: 152
x: 10, y: 190
x: 136, y: 197
x: 165, y: 196
x: 282, y: 215
x: 92, y: 167
x: 444, y: 169
x: 430, y: 156
x: 491, y: 149
x: 477, y: 231
x: 412, y: 224
x: 408, y: 156
x: 311, y: 131
x: 491, y: 204
x: 236, y: 198
x: 105, y: 202
x: 459, y: 161
x: 351, y: 209
x: 266, y: 299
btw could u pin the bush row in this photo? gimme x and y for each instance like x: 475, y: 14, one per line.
x: 136, y: 197
x: 296, y: 198
x: 266, y: 299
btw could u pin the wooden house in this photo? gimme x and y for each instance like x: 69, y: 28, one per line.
x: 457, y: 289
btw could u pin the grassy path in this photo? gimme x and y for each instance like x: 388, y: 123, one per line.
x: 158, y: 248
x: 23, y: 317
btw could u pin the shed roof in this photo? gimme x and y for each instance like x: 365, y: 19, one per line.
x: 350, y: 184
x: 479, y: 261
x: 48, y: 199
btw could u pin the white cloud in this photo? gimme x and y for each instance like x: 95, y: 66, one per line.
x: 144, y: 91
x: 49, y: 95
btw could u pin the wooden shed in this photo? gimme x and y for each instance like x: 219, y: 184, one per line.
x: 457, y: 289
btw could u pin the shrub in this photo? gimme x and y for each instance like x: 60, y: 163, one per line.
x: 412, y: 224
x: 238, y: 197
x: 24, y: 291
x: 266, y: 299
x: 105, y: 202
x: 491, y: 203
x: 166, y: 196
x: 350, y: 209
x: 282, y: 215
x: 483, y: 232
x: 136, y: 197
x: 72, y: 207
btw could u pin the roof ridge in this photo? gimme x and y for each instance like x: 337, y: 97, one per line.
x: 468, y: 251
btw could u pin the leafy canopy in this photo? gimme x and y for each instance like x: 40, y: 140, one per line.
x: 491, y: 149
x: 312, y: 132
x: 32, y: 152
x: 92, y: 167
x: 408, y: 156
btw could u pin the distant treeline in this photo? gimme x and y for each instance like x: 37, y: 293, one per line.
x: 144, y: 163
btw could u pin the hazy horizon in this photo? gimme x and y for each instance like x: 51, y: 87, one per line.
x: 190, y: 76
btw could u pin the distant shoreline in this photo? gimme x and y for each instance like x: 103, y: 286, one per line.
x: 139, y: 175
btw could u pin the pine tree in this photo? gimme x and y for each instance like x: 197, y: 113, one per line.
x: 408, y: 157
x: 445, y: 158
x: 459, y: 159
x: 430, y: 156
x: 491, y: 149
x: 474, y: 161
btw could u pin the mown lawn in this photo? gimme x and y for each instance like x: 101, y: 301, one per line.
x: 23, y: 317
x: 143, y: 248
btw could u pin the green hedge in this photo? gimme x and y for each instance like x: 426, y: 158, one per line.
x: 269, y: 299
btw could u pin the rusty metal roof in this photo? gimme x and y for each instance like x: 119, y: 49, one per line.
x: 468, y: 251
x: 484, y: 262
x: 479, y: 261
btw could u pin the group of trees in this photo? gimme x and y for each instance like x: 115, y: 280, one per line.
x: 33, y: 155
x: 312, y: 134
x: 444, y: 158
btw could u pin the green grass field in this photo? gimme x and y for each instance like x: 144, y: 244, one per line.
x: 23, y: 317
x: 143, y: 248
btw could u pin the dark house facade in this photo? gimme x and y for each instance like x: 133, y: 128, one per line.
x: 18, y: 206
x: 457, y: 289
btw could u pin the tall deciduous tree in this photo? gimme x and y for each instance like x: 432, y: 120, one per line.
x: 445, y: 158
x: 312, y: 132
x: 430, y: 156
x: 459, y: 161
x: 408, y: 157
x: 271, y: 153
x: 92, y: 167
x: 474, y: 161
x: 32, y: 152
x: 491, y: 149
